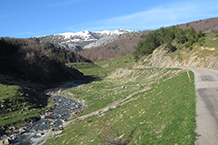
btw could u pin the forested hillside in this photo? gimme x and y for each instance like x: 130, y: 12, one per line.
x: 34, y: 60
x: 172, y: 37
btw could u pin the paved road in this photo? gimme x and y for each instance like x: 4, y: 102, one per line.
x: 206, y: 85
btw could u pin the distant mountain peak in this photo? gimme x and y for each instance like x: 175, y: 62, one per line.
x: 82, y: 38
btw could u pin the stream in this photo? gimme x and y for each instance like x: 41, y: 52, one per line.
x: 51, y: 123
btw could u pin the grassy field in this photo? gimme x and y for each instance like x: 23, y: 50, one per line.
x: 102, y: 69
x: 156, y: 106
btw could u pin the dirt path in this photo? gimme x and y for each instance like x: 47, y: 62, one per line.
x: 108, y: 107
x: 206, y: 85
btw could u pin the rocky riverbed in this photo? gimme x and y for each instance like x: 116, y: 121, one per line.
x: 49, y: 124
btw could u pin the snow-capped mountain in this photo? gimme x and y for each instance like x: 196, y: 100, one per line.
x: 83, y: 39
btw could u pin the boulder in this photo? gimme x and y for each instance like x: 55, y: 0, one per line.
x: 3, y: 106
x: 6, y: 141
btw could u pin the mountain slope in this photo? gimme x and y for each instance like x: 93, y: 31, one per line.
x: 198, y: 55
x: 76, y: 41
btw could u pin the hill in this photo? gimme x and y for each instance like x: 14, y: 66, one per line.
x: 201, y: 53
x: 128, y: 44
x: 28, y: 67
x: 209, y: 25
x: 125, y: 44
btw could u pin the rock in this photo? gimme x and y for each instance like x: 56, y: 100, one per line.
x: 13, y: 137
x: 3, y: 106
x: 59, y: 91
x: 42, y: 116
x: 22, y: 130
x: 61, y: 127
x: 12, y: 128
x: 16, y: 131
x: 6, y: 141
x: 40, y: 134
x: 100, y: 115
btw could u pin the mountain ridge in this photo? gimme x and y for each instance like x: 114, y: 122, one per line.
x: 76, y: 41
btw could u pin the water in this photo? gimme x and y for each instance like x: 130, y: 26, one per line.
x: 51, y: 123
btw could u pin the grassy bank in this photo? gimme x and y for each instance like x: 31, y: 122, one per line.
x: 162, y: 114
x: 21, y: 100
x: 19, y: 105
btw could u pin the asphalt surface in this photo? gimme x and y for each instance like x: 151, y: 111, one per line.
x: 206, y: 85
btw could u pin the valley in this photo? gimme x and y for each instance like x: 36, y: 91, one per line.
x: 108, y: 87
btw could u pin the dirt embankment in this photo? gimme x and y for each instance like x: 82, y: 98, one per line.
x: 195, y: 58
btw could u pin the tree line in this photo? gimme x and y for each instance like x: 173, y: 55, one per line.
x: 33, y: 59
x: 167, y: 36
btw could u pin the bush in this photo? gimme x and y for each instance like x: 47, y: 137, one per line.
x: 170, y: 47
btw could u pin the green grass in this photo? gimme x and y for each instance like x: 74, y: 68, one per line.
x: 21, y: 105
x: 211, y: 40
x: 102, y: 69
x: 81, y: 65
x: 165, y: 114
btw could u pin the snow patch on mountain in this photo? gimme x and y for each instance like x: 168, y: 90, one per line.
x: 83, y: 39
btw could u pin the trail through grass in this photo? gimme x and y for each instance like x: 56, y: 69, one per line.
x: 163, y: 114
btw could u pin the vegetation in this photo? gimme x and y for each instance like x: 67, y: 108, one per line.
x: 34, y: 60
x: 167, y: 36
x: 19, y: 105
x: 152, y: 106
x: 116, y: 48
x: 27, y: 68
x: 156, y: 106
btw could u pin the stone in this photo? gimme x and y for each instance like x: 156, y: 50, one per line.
x: 3, y: 106
x: 101, y: 115
x: 21, y: 130
x: 38, y: 134
x: 42, y: 116
x: 12, y: 128
x: 13, y: 137
x: 61, y: 127
x: 6, y: 141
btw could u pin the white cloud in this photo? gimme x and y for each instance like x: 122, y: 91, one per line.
x: 177, y: 13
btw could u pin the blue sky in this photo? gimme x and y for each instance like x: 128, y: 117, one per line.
x: 30, y: 18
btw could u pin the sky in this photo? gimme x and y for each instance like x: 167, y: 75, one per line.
x: 31, y: 18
